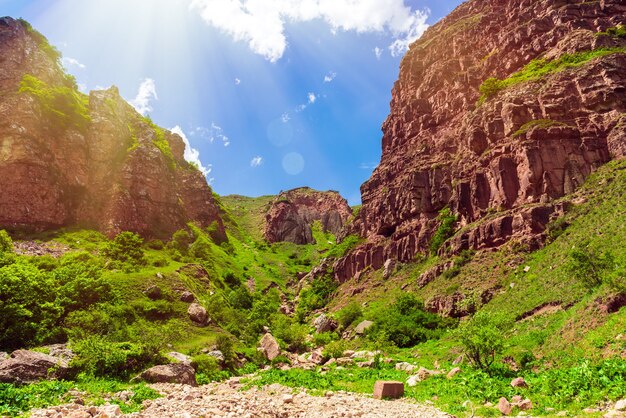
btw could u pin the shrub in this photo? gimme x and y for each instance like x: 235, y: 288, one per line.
x: 6, y: 244
x: 95, y: 356
x: 445, y: 230
x: 126, y: 248
x: 240, y: 298
x: 589, y: 265
x: 155, y: 244
x: 293, y: 334
x: 63, y: 105
x: 181, y: 240
x: 335, y: 349
x: 201, y: 248
x: 483, y: 338
x: 316, y: 296
x: 349, y: 314
x: 324, y: 338
x: 406, y: 323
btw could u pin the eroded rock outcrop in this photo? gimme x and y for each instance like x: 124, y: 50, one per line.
x: 292, y: 214
x: 70, y: 159
x: 511, y: 155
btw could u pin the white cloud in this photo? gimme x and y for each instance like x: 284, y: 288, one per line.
x: 261, y: 23
x: 378, y: 52
x: 72, y: 62
x: 330, y: 77
x: 237, y: 81
x: 312, y: 98
x: 256, y: 161
x: 285, y: 117
x: 215, y: 132
x: 191, y: 154
x: 145, y: 94
x: 418, y: 27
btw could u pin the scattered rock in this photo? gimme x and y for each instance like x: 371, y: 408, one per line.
x: 287, y: 398
x: 413, y: 380
x: 217, y: 354
x: 388, y: 390
x: 620, y: 405
x: 170, y: 373
x: 179, y: 357
x: 458, y: 360
x: 60, y: 351
x: 404, y: 366
x: 324, y: 324
x: 362, y: 327
x: 344, y: 361
x: 317, y: 356
x: 187, y: 297
x: 269, y: 346
x: 519, y: 382
x: 453, y: 372
x: 504, y: 406
x: 388, y: 268
x: 198, y: 314
x: 153, y: 292
x: 25, y: 366
x: 423, y: 373
x: 525, y: 405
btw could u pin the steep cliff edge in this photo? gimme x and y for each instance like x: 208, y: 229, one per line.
x: 68, y: 159
x: 497, y: 152
x: 292, y: 213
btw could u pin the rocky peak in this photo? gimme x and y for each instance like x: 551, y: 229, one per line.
x: 85, y: 160
x: 552, y: 112
x: 292, y: 214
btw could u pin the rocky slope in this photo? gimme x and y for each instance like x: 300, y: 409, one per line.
x: 293, y: 212
x: 498, y: 162
x: 67, y: 159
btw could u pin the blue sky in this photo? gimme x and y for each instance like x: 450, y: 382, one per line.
x: 270, y: 94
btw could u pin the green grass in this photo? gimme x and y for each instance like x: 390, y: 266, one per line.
x: 539, y: 123
x: 616, y: 31
x: 64, y: 105
x: 539, y: 68
x: 17, y: 400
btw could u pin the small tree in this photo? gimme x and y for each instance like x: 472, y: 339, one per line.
x: 589, y: 266
x: 126, y: 248
x: 482, y: 338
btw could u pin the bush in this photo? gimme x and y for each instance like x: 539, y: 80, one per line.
x: 445, y: 230
x: 406, y: 323
x: 589, y: 265
x: 483, y: 338
x: 349, y: 314
x: 95, y: 356
x: 316, y: 296
x: 324, y: 338
x: 126, y: 248
x: 293, y: 334
x: 181, y: 240
x: 6, y: 244
x: 335, y: 349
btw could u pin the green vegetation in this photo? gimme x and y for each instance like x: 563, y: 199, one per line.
x: 445, y: 230
x: 405, y: 323
x: 538, y: 68
x: 616, y: 31
x: 539, y: 123
x: 482, y: 338
x: 161, y: 142
x: 63, y: 105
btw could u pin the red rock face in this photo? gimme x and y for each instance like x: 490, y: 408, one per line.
x: 293, y: 212
x: 442, y: 149
x: 110, y: 175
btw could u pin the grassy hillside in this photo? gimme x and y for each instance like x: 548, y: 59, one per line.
x: 556, y: 314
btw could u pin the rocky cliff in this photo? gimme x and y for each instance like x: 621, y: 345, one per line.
x: 500, y: 109
x: 67, y: 159
x: 292, y: 214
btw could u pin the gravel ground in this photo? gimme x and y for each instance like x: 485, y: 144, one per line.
x: 228, y: 400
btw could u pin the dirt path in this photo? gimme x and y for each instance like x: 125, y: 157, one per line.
x: 228, y: 400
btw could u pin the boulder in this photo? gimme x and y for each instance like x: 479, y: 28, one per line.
x: 388, y: 268
x: 153, y: 292
x: 504, y: 406
x: 60, y: 351
x: 317, y: 357
x: 423, y: 373
x: 362, y: 327
x: 187, y: 297
x: 324, y: 324
x: 198, y: 314
x: 519, y: 382
x: 620, y: 405
x: 413, y: 381
x: 170, y: 373
x: 388, y: 389
x: 404, y: 366
x: 269, y: 346
x: 217, y: 354
x: 25, y: 366
x: 525, y: 405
